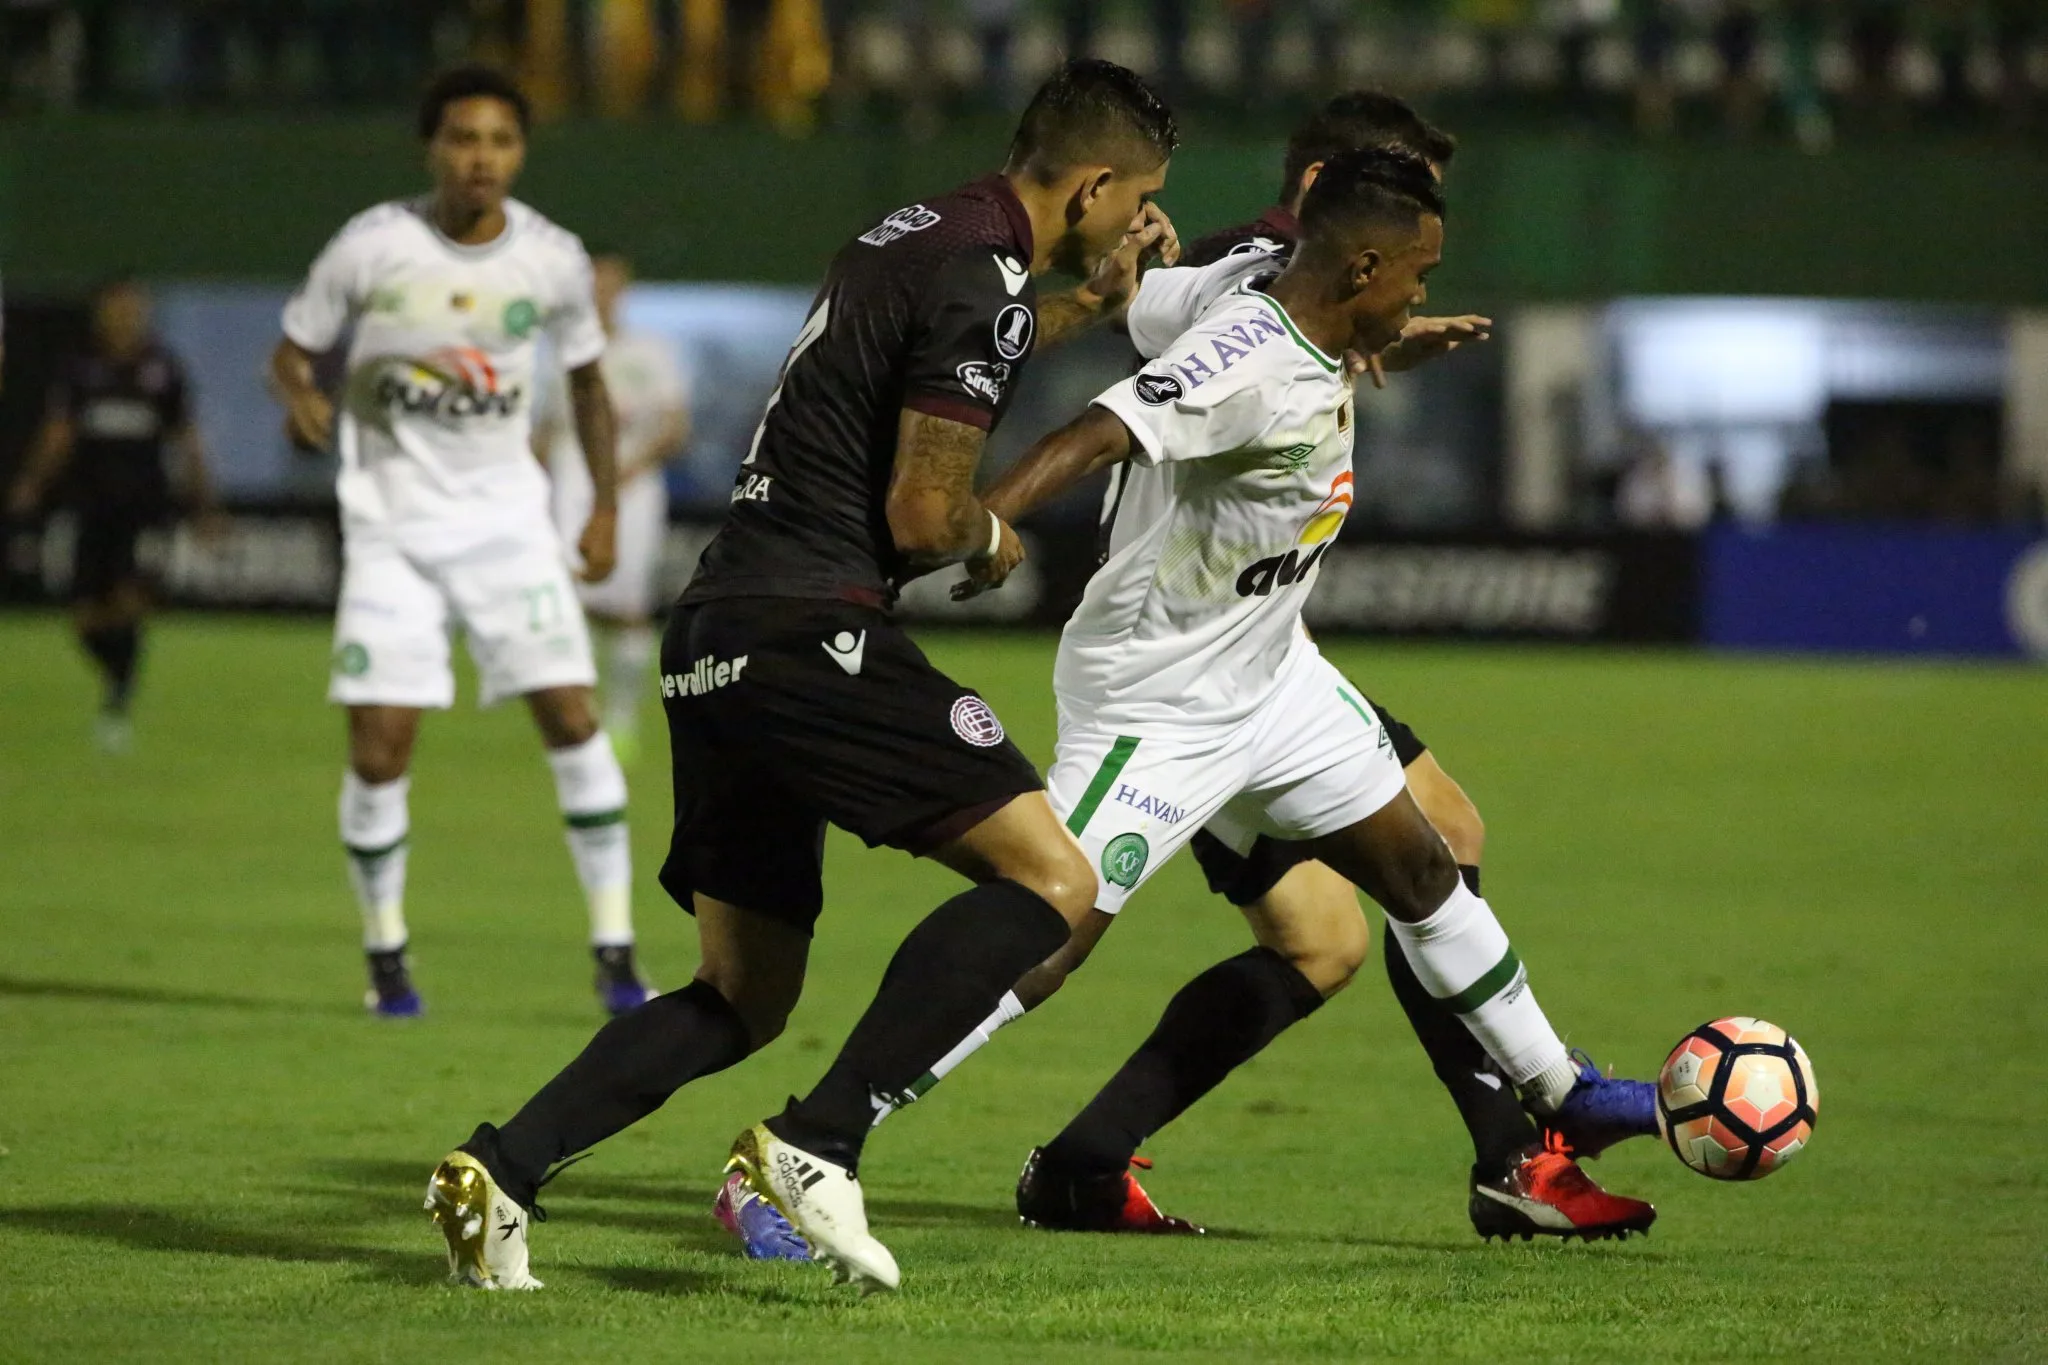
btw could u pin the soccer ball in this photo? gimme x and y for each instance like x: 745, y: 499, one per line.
x: 1736, y: 1099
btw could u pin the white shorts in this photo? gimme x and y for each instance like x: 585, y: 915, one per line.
x: 629, y: 594
x: 511, y: 596
x: 1311, y: 761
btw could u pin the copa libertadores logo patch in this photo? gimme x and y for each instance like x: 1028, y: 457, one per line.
x: 1014, y: 326
x: 1123, y: 860
x: 1157, y: 390
x: 975, y: 723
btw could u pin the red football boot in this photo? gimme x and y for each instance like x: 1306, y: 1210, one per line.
x: 1548, y: 1195
x: 1051, y: 1197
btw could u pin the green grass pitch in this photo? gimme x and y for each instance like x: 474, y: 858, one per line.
x: 211, y: 1154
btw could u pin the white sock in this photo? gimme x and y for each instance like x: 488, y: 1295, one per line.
x: 591, y: 788
x: 632, y: 660
x: 1008, y: 1010
x: 374, y: 823
x: 1462, y: 957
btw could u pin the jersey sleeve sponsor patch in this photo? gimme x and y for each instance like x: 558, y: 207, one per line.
x: 972, y: 341
x: 916, y: 218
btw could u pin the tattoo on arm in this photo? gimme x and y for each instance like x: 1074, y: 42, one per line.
x: 1061, y: 317
x: 596, y: 430
x: 934, y: 516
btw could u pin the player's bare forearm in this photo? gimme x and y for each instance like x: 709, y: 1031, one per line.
x: 1095, y: 440
x: 934, y: 517
x: 309, y: 417
x: 1062, y: 317
x: 197, y: 481
x: 596, y: 431
x: 47, y: 457
x: 1108, y: 291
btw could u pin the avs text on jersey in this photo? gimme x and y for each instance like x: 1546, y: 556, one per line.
x: 933, y: 309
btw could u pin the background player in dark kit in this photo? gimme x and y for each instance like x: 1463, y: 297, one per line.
x: 794, y: 700
x: 116, y: 413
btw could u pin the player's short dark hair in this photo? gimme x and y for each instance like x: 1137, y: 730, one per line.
x: 1093, y: 111
x: 1365, y: 187
x: 469, y: 82
x: 1362, y: 118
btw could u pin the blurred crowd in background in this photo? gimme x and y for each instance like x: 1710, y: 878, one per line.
x: 1808, y: 70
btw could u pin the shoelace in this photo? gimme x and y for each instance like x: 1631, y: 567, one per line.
x: 540, y: 1215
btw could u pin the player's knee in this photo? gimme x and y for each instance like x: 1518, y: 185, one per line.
x: 1335, y: 957
x: 377, y: 757
x: 1420, y: 879
x: 763, y: 1006
x: 1064, y: 878
x: 1457, y: 819
x: 565, y: 716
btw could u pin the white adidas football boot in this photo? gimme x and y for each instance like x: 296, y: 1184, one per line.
x: 486, y: 1231
x: 822, y: 1200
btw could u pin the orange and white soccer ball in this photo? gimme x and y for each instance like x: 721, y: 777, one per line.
x: 1737, y: 1099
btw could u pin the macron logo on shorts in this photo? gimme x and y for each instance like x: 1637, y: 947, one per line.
x: 706, y: 675
x: 846, y: 650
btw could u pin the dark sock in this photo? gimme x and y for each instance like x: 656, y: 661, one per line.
x: 1215, y: 1023
x: 625, y: 1073
x: 115, y: 649
x: 1501, y: 1131
x: 949, y: 973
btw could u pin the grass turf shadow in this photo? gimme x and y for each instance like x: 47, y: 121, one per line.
x: 141, y: 1228
x: 104, y: 992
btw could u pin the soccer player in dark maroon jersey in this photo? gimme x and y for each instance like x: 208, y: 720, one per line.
x: 1304, y: 915
x: 115, y: 411
x: 795, y: 701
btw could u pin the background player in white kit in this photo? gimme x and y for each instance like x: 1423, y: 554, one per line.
x: 651, y: 399
x: 1189, y: 695
x: 444, y: 511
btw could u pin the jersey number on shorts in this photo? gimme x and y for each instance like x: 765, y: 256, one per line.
x: 813, y: 328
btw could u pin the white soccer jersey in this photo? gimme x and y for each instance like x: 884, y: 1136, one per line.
x: 1172, y: 299
x: 436, y: 414
x: 1240, y: 480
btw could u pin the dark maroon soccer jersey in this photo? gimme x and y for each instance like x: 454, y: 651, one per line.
x: 1274, y: 231
x: 122, y: 412
x: 931, y: 309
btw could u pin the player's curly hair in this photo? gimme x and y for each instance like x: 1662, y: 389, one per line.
x: 1366, y: 186
x: 1092, y: 111
x: 1361, y: 118
x: 468, y: 82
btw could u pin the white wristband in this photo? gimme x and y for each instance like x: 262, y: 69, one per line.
x: 995, y: 536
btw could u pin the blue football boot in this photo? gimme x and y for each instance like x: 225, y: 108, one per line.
x: 619, y: 987
x: 1602, y: 1110
x: 765, y: 1235
x: 391, y: 995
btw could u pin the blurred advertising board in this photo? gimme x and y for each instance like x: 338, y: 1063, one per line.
x: 1617, y: 588
x: 1876, y: 589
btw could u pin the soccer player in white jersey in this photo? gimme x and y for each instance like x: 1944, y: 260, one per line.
x: 1190, y: 696
x: 444, y: 511
x: 651, y: 397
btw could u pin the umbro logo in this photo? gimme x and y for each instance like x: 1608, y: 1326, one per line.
x: 846, y: 650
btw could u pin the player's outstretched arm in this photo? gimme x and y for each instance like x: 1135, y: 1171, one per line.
x: 1095, y: 440
x: 47, y: 456
x: 1422, y: 340
x: 308, y: 414
x: 597, y: 431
